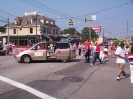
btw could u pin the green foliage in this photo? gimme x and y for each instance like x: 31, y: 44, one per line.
x: 2, y: 28
x: 85, y: 35
x: 70, y: 31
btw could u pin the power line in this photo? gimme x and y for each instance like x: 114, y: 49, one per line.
x: 106, y: 18
x: 42, y: 7
x: 50, y: 8
x: 8, y: 13
x: 104, y: 9
x: 131, y: 2
x: 115, y: 15
x: 3, y: 17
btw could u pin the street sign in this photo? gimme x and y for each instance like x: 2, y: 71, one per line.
x: 93, y: 17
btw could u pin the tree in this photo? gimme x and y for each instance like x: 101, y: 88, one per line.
x: 70, y: 31
x: 2, y: 28
x: 85, y: 35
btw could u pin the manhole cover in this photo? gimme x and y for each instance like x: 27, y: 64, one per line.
x: 72, y: 79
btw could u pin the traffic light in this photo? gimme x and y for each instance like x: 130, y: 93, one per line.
x: 18, y: 21
x: 71, y: 22
x: 85, y: 19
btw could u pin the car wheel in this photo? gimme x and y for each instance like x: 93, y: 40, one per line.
x: 26, y: 59
x: 64, y: 60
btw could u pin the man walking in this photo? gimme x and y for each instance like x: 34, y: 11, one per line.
x: 97, y: 53
x: 87, y: 54
x: 121, y: 53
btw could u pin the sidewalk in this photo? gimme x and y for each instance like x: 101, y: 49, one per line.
x: 102, y: 84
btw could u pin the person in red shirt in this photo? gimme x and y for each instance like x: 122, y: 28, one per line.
x: 112, y: 49
x: 97, y: 53
x: 42, y: 47
x: 87, y: 54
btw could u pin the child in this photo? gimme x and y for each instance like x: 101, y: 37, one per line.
x: 105, y: 51
x: 102, y: 55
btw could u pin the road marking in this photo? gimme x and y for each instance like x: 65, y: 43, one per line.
x: 27, y: 88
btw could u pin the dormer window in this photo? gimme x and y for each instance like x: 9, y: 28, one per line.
x: 47, y: 22
x: 51, y: 23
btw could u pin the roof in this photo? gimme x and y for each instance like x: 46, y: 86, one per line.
x: 34, y: 21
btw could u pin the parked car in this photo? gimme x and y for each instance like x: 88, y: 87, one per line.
x: 61, y: 51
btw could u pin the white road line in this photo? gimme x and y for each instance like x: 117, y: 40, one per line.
x: 27, y: 88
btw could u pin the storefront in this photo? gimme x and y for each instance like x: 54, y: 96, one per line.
x: 23, y: 41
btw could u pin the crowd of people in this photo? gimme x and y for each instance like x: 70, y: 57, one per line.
x: 7, y: 49
x: 123, y: 53
x: 95, y: 51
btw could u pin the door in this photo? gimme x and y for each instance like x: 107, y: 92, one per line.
x: 62, y: 50
x: 39, y: 52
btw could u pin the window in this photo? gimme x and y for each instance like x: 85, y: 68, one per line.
x: 51, y: 23
x: 14, y: 31
x: 62, y: 45
x: 56, y: 31
x: 23, y: 41
x: 53, y: 31
x: 31, y: 30
x: 47, y: 22
x: 46, y: 30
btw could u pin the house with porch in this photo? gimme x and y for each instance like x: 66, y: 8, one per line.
x: 32, y: 26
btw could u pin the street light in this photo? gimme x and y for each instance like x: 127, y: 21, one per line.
x: 57, y: 18
x: 123, y: 27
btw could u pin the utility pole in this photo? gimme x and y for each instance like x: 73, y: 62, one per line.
x: 90, y: 34
x: 36, y: 28
x: 93, y: 18
x: 127, y: 30
x: 8, y: 28
x: 103, y: 36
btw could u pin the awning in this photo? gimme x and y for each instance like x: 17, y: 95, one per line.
x: 25, y: 36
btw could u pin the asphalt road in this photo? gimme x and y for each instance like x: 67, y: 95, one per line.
x: 72, y: 80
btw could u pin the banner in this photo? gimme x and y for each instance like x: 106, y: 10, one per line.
x: 96, y: 28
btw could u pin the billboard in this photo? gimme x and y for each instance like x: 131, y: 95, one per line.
x: 96, y: 28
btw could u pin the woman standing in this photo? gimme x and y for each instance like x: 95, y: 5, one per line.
x: 130, y: 57
x: 79, y: 48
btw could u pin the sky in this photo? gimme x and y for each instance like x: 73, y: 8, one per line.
x: 114, y: 16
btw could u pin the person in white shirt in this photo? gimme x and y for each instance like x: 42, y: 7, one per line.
x: 82, y: 49
x: 102, y: 55
x: 105, y: 51
x: 121, y: 54
x: 75, y: 46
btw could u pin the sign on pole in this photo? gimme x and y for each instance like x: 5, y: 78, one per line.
x: 96, y: 28
x: 93, y: 17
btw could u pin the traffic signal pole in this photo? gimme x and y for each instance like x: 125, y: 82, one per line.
x: 89, y: 28
x: 93, y: 18
x: 8, y: 28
